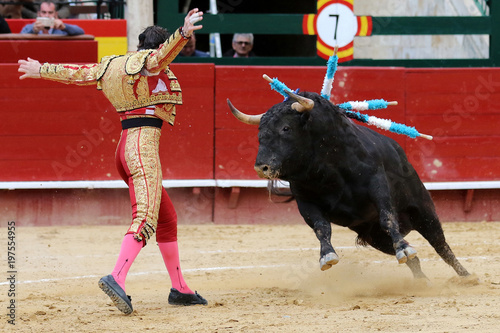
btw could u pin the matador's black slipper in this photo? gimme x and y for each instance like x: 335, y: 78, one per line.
x: 177, y: 298
x: 116, y: 293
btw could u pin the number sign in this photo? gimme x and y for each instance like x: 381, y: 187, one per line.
x: 336, y: 25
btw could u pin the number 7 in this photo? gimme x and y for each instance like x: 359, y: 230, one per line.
x: 336, y: 24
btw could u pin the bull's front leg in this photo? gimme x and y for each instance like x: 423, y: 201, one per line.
x: 328, y: 256
x: 323, y: 231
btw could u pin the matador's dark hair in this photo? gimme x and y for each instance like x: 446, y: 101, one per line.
x: 152, y: 37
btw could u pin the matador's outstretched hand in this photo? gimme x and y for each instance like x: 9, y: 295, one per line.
x: 192, y: 17
x: 30, y: 68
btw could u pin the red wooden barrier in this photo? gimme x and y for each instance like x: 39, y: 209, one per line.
x: 48, y: 49
x: 52, y: 131
x: 461, y: 108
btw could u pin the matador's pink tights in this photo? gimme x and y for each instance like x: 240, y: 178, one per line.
x: 170, y: 253
x: 128, y: 252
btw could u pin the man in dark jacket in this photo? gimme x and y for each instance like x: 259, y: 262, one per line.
x: 4, y: 26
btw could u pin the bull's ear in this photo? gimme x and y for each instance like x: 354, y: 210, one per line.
x: 305, y: 118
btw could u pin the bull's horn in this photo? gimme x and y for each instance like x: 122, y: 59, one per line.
x: 244, y: 118
x: 302, y: 104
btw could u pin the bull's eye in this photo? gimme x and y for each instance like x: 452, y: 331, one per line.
x: 286, y: 128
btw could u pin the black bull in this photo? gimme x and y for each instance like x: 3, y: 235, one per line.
x: 343, y: 173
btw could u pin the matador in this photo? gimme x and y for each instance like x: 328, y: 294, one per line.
x: 145, y: 92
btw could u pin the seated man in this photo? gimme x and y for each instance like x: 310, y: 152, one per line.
x: 189, y: 50
x: 242, y: 46
x: 54, y: 26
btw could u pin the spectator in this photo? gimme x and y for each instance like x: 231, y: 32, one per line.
x: 4, y: 27
x: 57, y: 27
x: 30, y: 10
x: 242, y: 46
x: 189, y: 50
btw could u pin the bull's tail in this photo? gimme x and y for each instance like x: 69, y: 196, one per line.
x: 362, y: 241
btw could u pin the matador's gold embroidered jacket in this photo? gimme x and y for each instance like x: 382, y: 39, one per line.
x: 132, y: 81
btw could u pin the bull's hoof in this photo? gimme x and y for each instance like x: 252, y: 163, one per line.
x: 328, y: 260
x: 405, y: 254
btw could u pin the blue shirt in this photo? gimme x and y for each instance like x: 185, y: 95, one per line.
x: 71, y: 30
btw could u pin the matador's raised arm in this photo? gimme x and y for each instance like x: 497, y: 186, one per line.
x: 159, y: 60
x: 154, y: 61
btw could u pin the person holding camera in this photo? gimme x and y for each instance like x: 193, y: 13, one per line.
x: 48, y: 22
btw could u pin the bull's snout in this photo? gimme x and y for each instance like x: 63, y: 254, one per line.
x: 261, y: 170
x: 265, y: 171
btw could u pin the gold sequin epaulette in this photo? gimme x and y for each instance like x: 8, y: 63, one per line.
x: 135, y: 61
x: 105, y: 61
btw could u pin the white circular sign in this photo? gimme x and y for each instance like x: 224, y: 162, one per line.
x: 336, y: 25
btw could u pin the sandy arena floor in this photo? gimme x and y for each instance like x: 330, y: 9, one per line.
x: 256, y: 278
